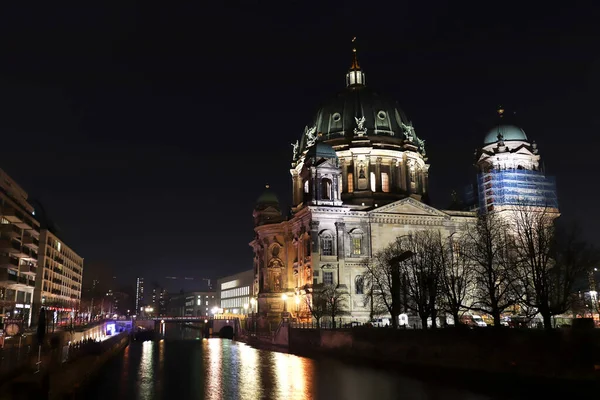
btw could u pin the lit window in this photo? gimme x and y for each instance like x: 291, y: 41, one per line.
x: 357, y: 245
x: 350, y: 182
x: 199, y: 302
x: 373, y: 187
x: 306, y: 186
x: 385, y: 182
x: 327, y: 245
x: 328, y: 278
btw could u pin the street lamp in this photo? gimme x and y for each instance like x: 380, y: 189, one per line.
x: 297, y: 299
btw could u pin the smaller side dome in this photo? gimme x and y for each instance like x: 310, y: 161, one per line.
x: 509, y: 132
x: 267, y: 198
x: 321, y: 150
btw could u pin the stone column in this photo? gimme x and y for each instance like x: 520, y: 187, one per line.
x: 314, y: 238
x: 340, y: 228
x: 393, y: 175
x: 368, y: 169
x: 344, y: 168
x: 355, y: 174
x: 404, y: 174
x: 378, y: 187
x: 296, y: 192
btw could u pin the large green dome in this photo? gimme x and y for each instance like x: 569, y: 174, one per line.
x: 268, y: 197
x: 509, y: 132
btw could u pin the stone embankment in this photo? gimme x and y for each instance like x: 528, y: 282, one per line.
x: 58, y: 379
x: 558, y: 354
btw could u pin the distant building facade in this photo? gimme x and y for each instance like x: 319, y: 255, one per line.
x: 160, y: 300
x: 193, y: 304
x: 235, y: 291
x: 139, y: 295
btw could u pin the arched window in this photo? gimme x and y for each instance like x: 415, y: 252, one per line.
x: 356, y: 242
x: 359, y: 284
x: 306, y: 186
x: 326, y: 244
x: 326, y: 189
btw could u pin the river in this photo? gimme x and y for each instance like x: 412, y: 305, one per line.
x: 183, y: 366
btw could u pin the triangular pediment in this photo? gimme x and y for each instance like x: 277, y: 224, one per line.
x: 523, y: 150
x: 326, y: 164
x: 409, y: 206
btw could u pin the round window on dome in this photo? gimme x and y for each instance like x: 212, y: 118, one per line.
x: 381, y: 115
x: 336, y: 117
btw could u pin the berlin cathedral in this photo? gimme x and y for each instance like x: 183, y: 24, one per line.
x: 360, y: 180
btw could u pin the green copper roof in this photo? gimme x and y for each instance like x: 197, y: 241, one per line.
x: 268, y: 197
x: 509, y: 132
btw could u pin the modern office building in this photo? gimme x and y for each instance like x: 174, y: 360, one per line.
x: 139, y: 295
x: 235, y: 291
x: 193, y: 304
x: 58, y: 283
x: 19, y: 246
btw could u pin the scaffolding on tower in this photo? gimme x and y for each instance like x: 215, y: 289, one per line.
x: 514, y: 187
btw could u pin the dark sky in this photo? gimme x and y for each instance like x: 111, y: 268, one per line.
x: 148, y: 131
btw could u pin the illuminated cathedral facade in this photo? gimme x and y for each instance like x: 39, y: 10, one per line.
x: 360, y: 179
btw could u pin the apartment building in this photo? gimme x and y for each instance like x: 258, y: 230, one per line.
x: 19, y: 242
x: 59, y: 278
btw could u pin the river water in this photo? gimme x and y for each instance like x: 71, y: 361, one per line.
x: 183, y: 366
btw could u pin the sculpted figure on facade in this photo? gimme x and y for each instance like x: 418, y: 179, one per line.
x: 311, y: 136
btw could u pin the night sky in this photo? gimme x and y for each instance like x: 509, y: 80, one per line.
x: 148, y: 131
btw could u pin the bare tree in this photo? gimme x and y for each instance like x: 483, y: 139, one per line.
x: 336, y: 300
x: 574, y: 260
x: 422, y: 274
x: 487, y: 248
x: 316, y: 301
x: 383, y: 279
x: 456, y: 276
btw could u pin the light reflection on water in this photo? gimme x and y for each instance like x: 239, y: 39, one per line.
x: 218, y: 369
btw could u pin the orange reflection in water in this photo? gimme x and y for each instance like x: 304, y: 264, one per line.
x: 213, y: 369
x: 293, y: 376
x: 146, y: 372
x: 249, y: 373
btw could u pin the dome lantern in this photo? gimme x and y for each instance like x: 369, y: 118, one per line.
x: 355, y: 76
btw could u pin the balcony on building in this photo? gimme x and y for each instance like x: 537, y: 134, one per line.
x: 28, y: 268
x: 7, y: 262
x: 6, y: 278
x: 10, y: 231
x: 18, y: 218
x: 9, y: 246
x: 31, y: 242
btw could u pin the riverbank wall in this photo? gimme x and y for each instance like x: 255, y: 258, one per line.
x: 564, y: 354
x: 57, y: 379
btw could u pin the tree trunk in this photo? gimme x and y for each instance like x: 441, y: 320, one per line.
x: 433, y: 319
x: 547, y: 319
x: 424, y: 322
x: 318, y: 322
x: 496, y: 315
x: 395, y: 321
x: 456, y: 319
